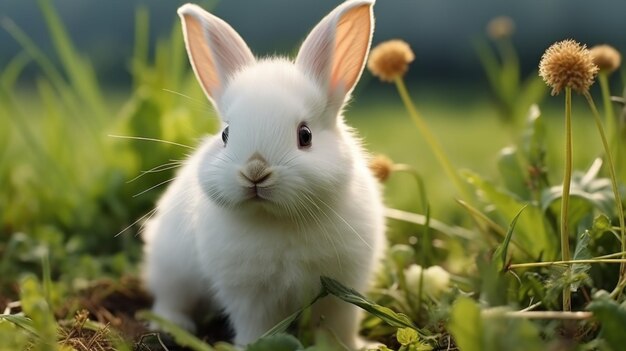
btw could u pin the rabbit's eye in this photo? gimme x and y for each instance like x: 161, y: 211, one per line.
x: 304, y: 136
x: 225, y: 135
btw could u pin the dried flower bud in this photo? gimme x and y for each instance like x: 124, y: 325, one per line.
x: 567, y: 64
x: 606, y: 58
x: 500, y: 27
x: 390, y: 60
x: 381, y: 166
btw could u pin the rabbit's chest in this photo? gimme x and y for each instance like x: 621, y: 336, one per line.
x: 264, y: 257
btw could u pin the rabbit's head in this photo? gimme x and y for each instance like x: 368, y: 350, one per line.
x: 284, y: 148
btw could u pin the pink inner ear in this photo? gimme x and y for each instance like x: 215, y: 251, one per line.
x: 352, y: 39
x: 201, y: 55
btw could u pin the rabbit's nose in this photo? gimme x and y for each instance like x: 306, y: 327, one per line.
x: 256, y: 170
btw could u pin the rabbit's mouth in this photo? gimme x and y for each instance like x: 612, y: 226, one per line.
x: 258, y: 194
x: 262, y: 201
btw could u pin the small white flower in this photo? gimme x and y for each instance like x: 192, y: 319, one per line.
x: 412, y: 276
x: 436, y: 280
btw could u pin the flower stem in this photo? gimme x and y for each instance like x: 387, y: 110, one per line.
x: 608, y: 107
x: 582, y: 315
x: 431, y: 140
x: 567, y: 177
x: 426, y: 246
x: 552, y: 263
x: 618, y: 199
x: 613, y: 255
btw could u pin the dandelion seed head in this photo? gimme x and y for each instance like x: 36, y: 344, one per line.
x: 390, y: 60
x: 568, y: 64
x: 606, y: 58
x: 500, y: 27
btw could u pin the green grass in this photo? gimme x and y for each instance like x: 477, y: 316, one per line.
x: 471, y: 134
x: 64, y: 195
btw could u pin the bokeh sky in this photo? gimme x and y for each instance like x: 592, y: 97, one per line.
x: 440, y: 31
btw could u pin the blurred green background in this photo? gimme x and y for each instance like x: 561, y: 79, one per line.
x: 94, y: 96
x: 74, y: 72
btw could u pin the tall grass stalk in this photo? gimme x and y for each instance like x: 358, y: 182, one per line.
x: 80, y: 72
x: 603, y: 78
x: 426, y: 239
x: 611, y: 166
x: 432, y: 142
x: 567, y: 178
x: 538, y: 314
x: 553, y: 263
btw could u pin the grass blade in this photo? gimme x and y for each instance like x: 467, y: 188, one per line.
x: 37, y: 308
x: 22, y: 322
x: 80, y: 73
x: 46, y: 65
x: 502, y: 249
x: 466, y: 325
x: 285, y: 323
x: 34, y: 52
x: 434, y: 224
x: 140, y: 47
x: 13, y: 69
x: 25, y: 131
x: 346, y: 294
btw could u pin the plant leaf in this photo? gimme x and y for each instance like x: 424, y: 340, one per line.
x: 511, y: 172
x: 532, y: 91
x: 502, y: 249
x: 581, y: 253
x: 406, y: 336
x: 533, y: 141
x: 587, y: 192
x: 392, y: 318
x: 613, y: 319
x: 601, y: 224
x: 13, y: 337
x: 282, y: 326
x: 20, y: 321
x: 466, y: 325
x: 37, y: 309
x: 532, y: 233
x: 490, y: 64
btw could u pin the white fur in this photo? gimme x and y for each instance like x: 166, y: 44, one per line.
x: 321, y: 212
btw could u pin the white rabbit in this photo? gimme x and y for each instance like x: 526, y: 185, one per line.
x: 283, y: 196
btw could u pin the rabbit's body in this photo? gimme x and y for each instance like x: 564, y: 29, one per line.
x: 254, y: 218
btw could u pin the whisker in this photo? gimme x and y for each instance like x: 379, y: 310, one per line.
x: 147, y: 220
x: 345, y: 222
x: 325, y: 232
x: 153, y: 211
x: 150, y: 139
x: 161, y: 168
x: 163, y: 212
x: 155, y: 186
x: 205, y: 106
x: 181, y: 94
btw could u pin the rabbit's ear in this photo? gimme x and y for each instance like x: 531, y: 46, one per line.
x: 334, y: 53
x: 215, y: 50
